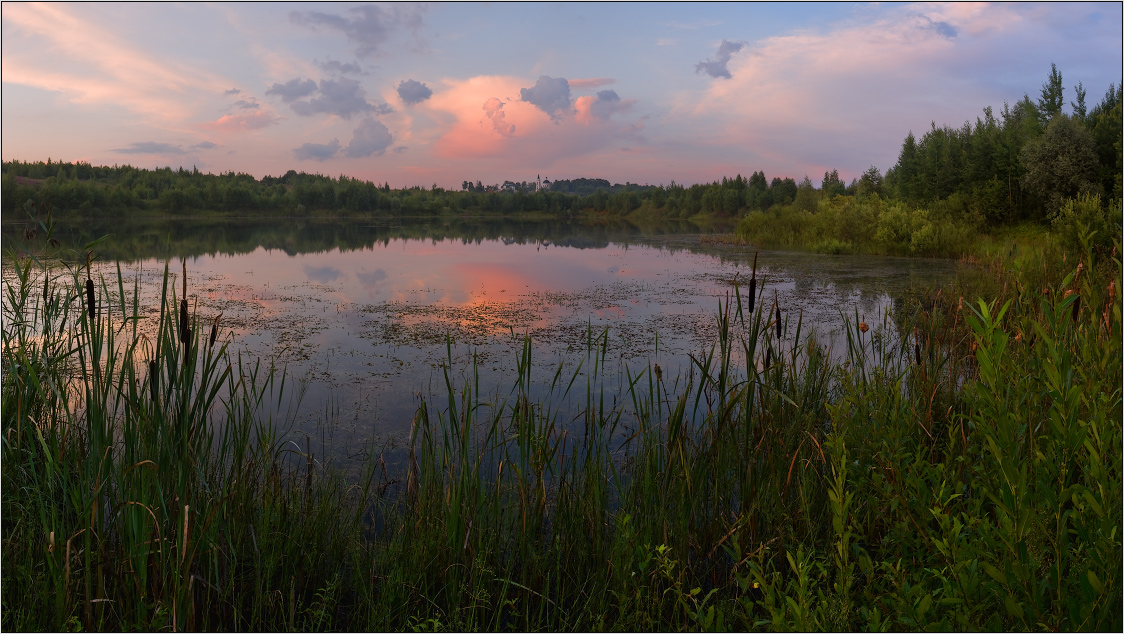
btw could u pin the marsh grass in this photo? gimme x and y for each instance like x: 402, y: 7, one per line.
x: 960, y: 470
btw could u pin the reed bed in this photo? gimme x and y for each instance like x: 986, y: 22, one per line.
x: 960, y: 470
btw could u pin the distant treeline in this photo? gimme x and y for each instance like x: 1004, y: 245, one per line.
x: 1022, y: 165
x: 107, y: 191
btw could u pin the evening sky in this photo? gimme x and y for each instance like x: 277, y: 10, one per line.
x: 441, y: 93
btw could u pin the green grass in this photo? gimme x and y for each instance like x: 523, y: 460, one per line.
x: 961, y: 470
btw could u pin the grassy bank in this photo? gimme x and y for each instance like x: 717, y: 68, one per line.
x: 946, y: 228
x: 962, y: 470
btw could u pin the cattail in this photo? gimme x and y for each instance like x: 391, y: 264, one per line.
x: 153, y: 380
x: 659, y: 373
x: 916, y: 347
x: 776, y: 304
x: 1112, y: 292
x: 1076, y: 307
x: 185, y: 330
x: 1077, y: 276
x: 91, y: 304
x: 215, y: 329
x: 768, y: 357
x: 753, y: 283
x: 862, y: 325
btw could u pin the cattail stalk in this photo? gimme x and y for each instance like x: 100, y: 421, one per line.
x: 184, y: 328
x: 91, y: 304
x: 753, y: 284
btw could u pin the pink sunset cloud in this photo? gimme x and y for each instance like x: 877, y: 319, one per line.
x: 484, y: 116
x: 488, y: 121
x: 597, y: 82
x: 589, y: 108
x: 242, y: 121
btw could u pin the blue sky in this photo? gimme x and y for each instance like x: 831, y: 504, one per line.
x: 416, y: 94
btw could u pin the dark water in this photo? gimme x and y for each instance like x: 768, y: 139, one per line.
x: 366, y: 316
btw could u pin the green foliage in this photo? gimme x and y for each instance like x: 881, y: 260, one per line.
x: 1085, y: 219
x: 960, y: 469
x: 1060, y: 164
x: 864, y: 225
x: 1006, y: 166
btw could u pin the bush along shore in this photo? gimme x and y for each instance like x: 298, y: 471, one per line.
x: 960, y: 470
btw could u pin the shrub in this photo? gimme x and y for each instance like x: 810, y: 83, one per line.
x: 1086, y: 216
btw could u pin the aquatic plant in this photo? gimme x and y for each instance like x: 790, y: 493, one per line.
x: 960, y: 468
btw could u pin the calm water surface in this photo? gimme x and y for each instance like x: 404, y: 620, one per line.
x: 366, y: 316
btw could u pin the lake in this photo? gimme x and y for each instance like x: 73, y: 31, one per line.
x: 366, y: 315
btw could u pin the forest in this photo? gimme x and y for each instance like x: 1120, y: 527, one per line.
x: 1021, y: 165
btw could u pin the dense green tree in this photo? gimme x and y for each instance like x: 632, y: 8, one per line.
x: 1051, y: 101
x: 1060, y: 164
x: 807, y: 198
x: 783, y: 191
x: 870, y: 183
x: 832, y: 185
x: 907, y: 183
x: 1106, y: 123
x: 1079, y: 111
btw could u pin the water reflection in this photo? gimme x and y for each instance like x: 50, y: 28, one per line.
x: 368, y: 315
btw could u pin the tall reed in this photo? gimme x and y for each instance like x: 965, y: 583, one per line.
x: 959, y: 469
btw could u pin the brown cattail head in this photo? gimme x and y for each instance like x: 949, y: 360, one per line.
x: 185, y: 328
x: 1112, y: 292
x: 153, y: 380
x: 659, y: 373
x: 777, y: 305
x: 1077, y: 276
x: 91, y: 304
x: 916, y: 347
x: 1076, y: 307
x: 768, y: 357
x: 862, y: 325
x: 215, y: 329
